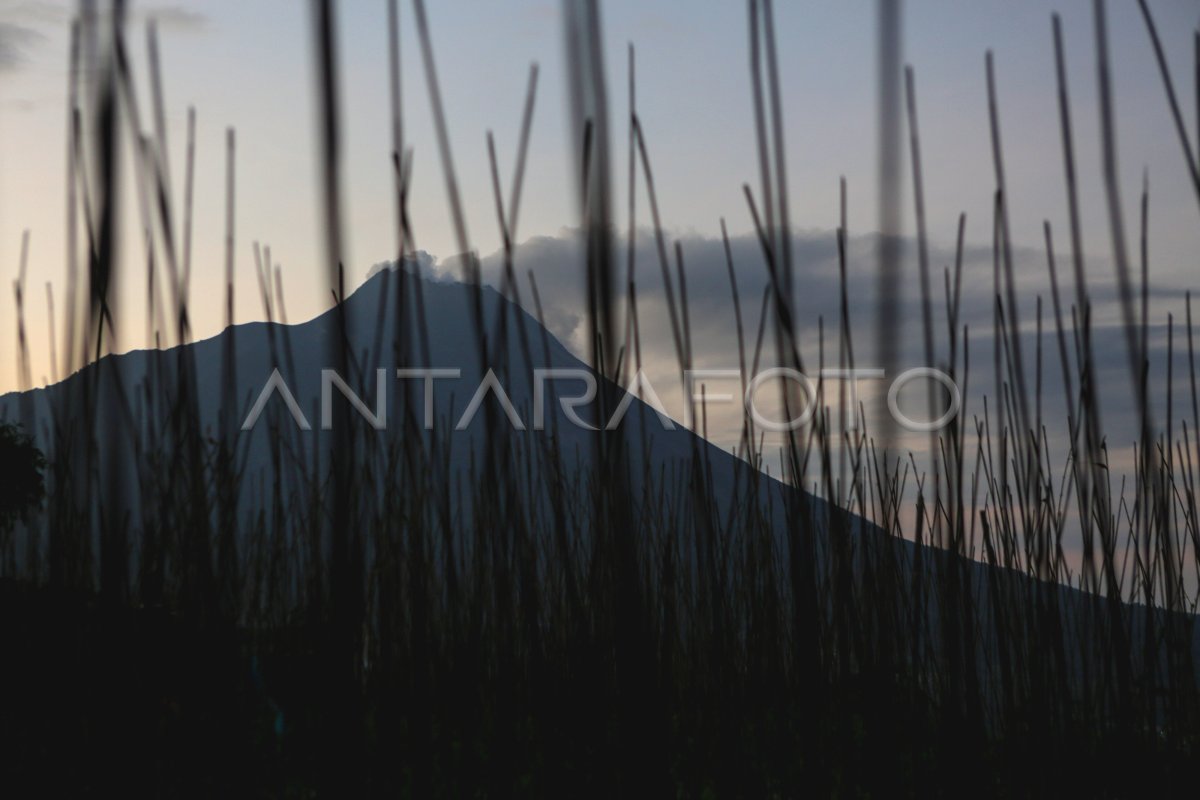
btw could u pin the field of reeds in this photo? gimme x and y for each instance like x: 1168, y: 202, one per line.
x: 367, y: 615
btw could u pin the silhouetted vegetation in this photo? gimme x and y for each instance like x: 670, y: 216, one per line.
x: 556, y: 624
x: 21, y: 486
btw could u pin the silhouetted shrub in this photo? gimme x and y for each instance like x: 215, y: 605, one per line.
x: 21, y: 486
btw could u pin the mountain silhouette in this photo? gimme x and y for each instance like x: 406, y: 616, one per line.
x: 663, y: 463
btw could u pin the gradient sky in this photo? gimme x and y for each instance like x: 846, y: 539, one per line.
x: 250, y: 65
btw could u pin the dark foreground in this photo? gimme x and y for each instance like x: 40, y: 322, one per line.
x: 150, y: 704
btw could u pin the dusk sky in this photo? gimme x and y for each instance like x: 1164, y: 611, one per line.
x: 249, y: 65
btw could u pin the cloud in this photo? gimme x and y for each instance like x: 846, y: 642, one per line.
x: 421, y: 262
x: 557, y: 265
x: 174, y: 17
x: 38, y: 12
x: 28, y: 19
x: 18, y: 105
x: 15, y: 43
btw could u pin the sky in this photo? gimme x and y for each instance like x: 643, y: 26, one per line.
x: 249, y: 66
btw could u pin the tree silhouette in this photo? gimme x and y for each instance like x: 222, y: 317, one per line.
x: 21, y: 486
